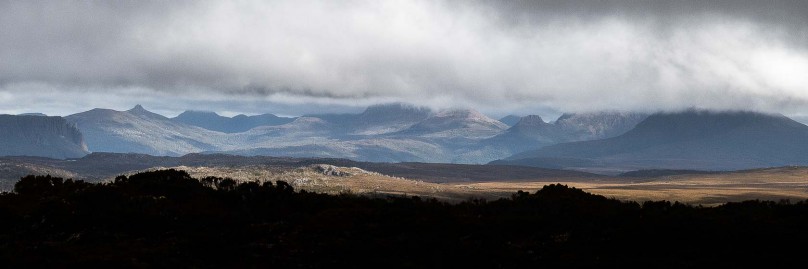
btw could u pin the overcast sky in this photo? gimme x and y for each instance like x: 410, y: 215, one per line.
x: 297, y: 57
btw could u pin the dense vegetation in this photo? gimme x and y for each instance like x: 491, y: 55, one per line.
x: 168, y: 219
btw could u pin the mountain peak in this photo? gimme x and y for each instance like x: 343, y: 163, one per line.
x: 194, y: 112
x: 385, y: 118
x: 531, y: 120
x: 510, y: 120
x: 239, y: 123
x: 451, y: 122
x: 137, y: 109
x: 565, y: 116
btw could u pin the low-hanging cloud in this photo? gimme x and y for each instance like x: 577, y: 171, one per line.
x: 564, y: 56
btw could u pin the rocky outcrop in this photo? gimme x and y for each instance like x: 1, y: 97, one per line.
x: 41, y: 136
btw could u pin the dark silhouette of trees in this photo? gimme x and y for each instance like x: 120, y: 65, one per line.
x: 47, y: 186
x: 168, y: 219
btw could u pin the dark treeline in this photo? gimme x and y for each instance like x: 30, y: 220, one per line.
x: 168, y: 219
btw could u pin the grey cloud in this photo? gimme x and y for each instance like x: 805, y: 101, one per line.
x: 548, y: 55
x: 791, y: 13
x: 63, y: 101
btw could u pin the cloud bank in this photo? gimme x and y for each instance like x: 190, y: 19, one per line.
x: 496, y: 56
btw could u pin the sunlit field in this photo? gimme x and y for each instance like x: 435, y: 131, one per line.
x: 697, y: 189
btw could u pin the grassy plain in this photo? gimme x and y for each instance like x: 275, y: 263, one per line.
x: 705, y: 189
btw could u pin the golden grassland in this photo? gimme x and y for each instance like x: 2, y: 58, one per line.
x: 697, y: 189
x: 352, y: 180
x: 705, y: 189
x: 11, y: 172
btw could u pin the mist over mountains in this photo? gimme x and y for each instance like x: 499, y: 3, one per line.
x: 596, y: 141
x: 401, y: 134
x: 532, y: 132
x: 686, y: 140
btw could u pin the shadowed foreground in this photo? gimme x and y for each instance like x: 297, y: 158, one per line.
x: 168, y: 219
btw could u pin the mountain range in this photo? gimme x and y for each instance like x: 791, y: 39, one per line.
x: 239, y: 123
x: 595, y: 141
x: 390, y: 133
x: 687, y: 140
x: 140, y: 131
x: 532, y: 132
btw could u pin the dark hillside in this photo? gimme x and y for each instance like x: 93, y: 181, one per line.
x: 41, y: 136
x: 690, y: 140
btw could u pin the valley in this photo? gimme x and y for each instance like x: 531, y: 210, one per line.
x: 446, y: 182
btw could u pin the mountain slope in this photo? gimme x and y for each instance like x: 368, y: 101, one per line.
x: 387, y: 133
x: 140, y: 131
x: 384, y: 119
x: 687, y: 140
x: 299, y: 129
x: 531, y: 129
x: 368, y: 136
x: 41, y: 136
x: 532, y: 132
x: 237, y: 124
x: 458, y: 123
x: 377, y: 119
x: 510, y: 120
x: 595, y: 125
